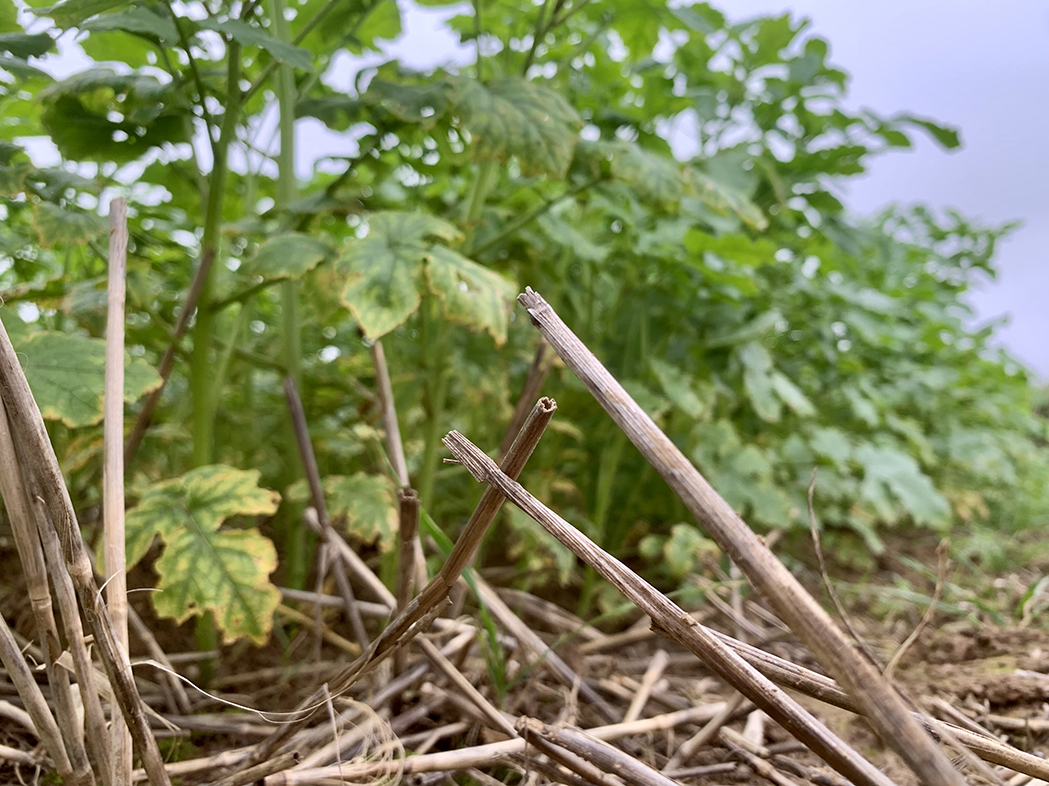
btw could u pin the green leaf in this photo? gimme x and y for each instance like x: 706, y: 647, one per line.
x: 67, y: 376
x: 381, y: 23
x: 139, y: 20
x: 205, y: 568
x: 862, y: 407
x: 9, y: 17
x: 248, y: 35
x: 888, y: 469
x: 290, y: 255
x: 336, y: 112
x: 653, y: 176
x: 686, y: 549
x: 363, y: 505
x: 724, y: 198
x: 564, y: 233
x: 471, y: 294
x: 680, y: 389
x: 515, y: 118
x: 791, y: 395
x: 756, y: 328
x: 947, y: 136
x: 831, y: 443
x: 24, y: 45
x: 71, y: 13
x: 56, y: 226
x: 757, y: 380
x: 638, y: 24
x: 20, y: 68
x: 99, y: 114
x: 382, y: 269
x: 118, y: 47
x: 355, y: 26
x: 739, y: 248
x: 12, y: 178
x: 424, y: 104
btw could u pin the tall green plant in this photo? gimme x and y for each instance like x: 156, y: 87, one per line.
x: 766, y: 329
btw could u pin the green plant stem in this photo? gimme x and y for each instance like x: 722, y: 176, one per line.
x: 477, y: 40
x: 433, y: 346
x: 538, y: 33
x: 605, y: 487
x: 487, y: 174
x: 289, y: 524
x: 187, y: 47
x: 201, y: 382
x: 244, y: 294
x: 207, y: 640
x: 433, y: 338
x: 306, y: 30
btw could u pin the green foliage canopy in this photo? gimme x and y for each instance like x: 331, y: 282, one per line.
x: 763, y: 326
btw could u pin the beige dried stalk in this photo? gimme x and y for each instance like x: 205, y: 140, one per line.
x: 676, y: 623
x: 42, y: 471
x: 113, y: 471
x: 34, y: 567
x: 540, y: 651
x: 435, y: 593
x: 411, y: 562
x: 408, y: 530
x: 480, y: 755
x: 884, y: 708
x: 72, y: 625
x: 33, y: 699
x: 320, y: 506
x: 533, y: 386
x: 598, y: 752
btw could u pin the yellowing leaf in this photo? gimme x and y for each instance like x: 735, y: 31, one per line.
x: 471, y: 294
x: 514, y: 117
x: 205, y: 568
x: 382, y: 269
x: 653, y: 176
x: 363, y: 505
x: 290, y: 255
x: 725, y: 198
x: 54, y: 225
x: 425, y: 103
x: 67, y: 376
